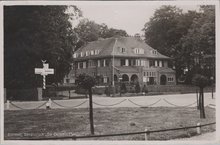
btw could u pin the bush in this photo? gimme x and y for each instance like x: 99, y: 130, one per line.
x: 137, y: 88
x: 123, y: 88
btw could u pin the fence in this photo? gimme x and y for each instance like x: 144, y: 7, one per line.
x: 146, y: 133
x: 48, y: 104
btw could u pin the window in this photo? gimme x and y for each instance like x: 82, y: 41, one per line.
x: 102, y: 62
x: 126, y: 62
x: 152, y: 63
x: 81, y: 64
x: 156, y: 63
x: 105, y: 80
x: 87, y: 53
x: 91, y: 63
x: 142, y: 63
x: 160, y: 63
x: 96, y: 52
x: 139, y: 51
x: 99, y: 64
x: 84, y: 64
x: 122, y: 62
x: 123, y: 50
x: 144, y: 73
x: 106, y: 62
x: 75, y: 55
x: 92, y: 52
x: 154, y: 52
x: 170, y: 79
x: 81, y: 54
x: 138, y: 62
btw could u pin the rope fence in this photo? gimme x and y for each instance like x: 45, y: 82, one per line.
x: 16, y: 106
x: 145, y: 106
x: 178, y: 105
x: 109, y: 105
x: 69, y: 106
x: 98, y: 104
x: 146, y: 132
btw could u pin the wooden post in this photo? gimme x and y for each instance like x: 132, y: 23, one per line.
x: 5, y: 95
x: 7, y: 104
x: 198, y: 129
x: 39, y: 94
x: 91, y: 112
x: 147, y: 134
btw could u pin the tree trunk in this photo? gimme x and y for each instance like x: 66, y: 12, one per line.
x: 202, y: 109
x: 197, y: 99
x: 91, y: 111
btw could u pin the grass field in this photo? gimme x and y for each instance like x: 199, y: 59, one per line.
x: 67, y: 122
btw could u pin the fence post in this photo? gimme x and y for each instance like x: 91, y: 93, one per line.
x: 48, y: 104
x: 39, y: 94
x: 198, y: 129
x: 147, y: 134
x: 5, y: 95
x: 7, y: 104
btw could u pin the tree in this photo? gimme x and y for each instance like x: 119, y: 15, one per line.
x: 87, y: 82
x: 90, y: 31
x: 200, y: 40
x: 201, y: 81
x: 160, y: 31
x: 35, y: 33
x: 182, y: 36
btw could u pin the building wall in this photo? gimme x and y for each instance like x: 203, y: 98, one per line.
x: 144, y: 72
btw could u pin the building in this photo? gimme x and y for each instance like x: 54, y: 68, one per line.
x: 126, y: 59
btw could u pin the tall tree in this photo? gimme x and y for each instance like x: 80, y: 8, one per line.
x: 90, y: 31
x: 160, y: 31
x: 200, y: 81
x: 35, y: 33
x: 87, y: 82
x: 182, y: 36
x: 200, y: 39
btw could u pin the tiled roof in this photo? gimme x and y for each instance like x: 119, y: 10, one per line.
x: 112, y: 46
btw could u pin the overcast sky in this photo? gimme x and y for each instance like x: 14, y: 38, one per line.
x: 128, y: 17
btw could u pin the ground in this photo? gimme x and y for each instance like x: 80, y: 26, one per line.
x: 65, y: 122
x: 111, y: 115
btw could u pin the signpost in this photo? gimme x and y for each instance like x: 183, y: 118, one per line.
x: 44, y: 72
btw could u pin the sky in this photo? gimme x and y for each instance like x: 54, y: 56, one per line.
x: 129, y: 17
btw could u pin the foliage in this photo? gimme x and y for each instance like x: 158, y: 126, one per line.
x: 200, y: 81
x: 90, y: 31
x: 85, y: 81
x: 137, y: 88
x: 35, y: 33
x: 123, y: 88
x: 182, y: 36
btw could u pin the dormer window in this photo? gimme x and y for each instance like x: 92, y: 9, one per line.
x: 81, y: 54
x: 139, y: 51
x: 87, y: 53
x: 75, y: 55
x: 96, y: 52
x: 122, y: 50
x: 92, y: 52
x: 154, y: 52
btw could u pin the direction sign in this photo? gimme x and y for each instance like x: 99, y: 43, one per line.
x: 44, y: 72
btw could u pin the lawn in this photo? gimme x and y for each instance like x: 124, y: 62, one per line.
x: 66, y: 122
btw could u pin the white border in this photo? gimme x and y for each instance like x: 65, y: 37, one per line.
x: 189, y: 2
